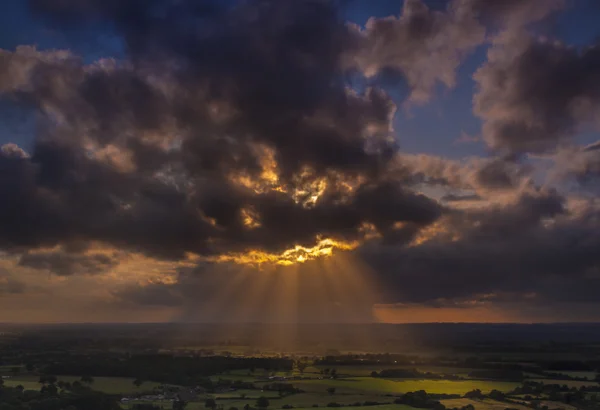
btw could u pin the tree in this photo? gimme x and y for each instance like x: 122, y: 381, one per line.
x: 88, y: 379
x: 1, y: 382
x: 262, y: 402
x: 333, y: 373
x: 210, y: 403
x: 331, y: 390
x: 301, y: 366
x: 15, y: 370
x: 474, y: 394
x: 246, y: 406
x: 497, y: 395
x: 138, y: 382
x: 50, y: 390
x: 30, y: 367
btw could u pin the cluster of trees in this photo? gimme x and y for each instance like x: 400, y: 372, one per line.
x: 412, y: 374
x: 420, y: 399
x: 51, y: 398
x: 365, y: 359
x: 333, y: 373
x: 282, y: 388
x: 163, y: 368
x: 537, y: 389
x: 261, y: 403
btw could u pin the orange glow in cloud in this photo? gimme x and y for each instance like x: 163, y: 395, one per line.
x: 297, y: 254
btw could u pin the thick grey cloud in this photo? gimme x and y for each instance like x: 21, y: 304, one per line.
x: 536, y: 94
x: 533, y: 254
x: 529, y: 247
x: 146, y: 153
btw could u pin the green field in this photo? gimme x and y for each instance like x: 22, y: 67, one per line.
x: 380, y: 407
x: 366, y: 370
x: 199, y: 405
x: 481, y: 404
x: 110, y: 385
x: 369, y: 384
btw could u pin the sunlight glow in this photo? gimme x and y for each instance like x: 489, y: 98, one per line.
x: 298, y: 254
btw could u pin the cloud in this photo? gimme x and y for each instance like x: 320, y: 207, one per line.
x: 455, y: 198
x: 227, y: 135
x: 530, y: 246
x: 66, y: 264
x: 486, y: 176
x: 424, y: 46
x: 537, y: 254
x: 10, y: 285
x: 166, y: 151
x: 536, y: 94
x: 577, y: 164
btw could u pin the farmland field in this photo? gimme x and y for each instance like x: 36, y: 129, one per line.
x: 402, y: 386
x: 109, y: 385
x: 481, y: 404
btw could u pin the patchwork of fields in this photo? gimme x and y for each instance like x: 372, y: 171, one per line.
x: 353, y: 386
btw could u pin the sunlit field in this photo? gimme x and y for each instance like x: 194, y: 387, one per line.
x: 403, y: 386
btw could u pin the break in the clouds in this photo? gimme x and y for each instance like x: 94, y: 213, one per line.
x: 236, y: 135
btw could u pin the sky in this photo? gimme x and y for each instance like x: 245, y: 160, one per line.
x: 304, y: 161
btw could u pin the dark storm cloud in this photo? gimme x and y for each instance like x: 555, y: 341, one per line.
x: 535, y: 95
x: 141, y: 153
x: 148, y: 153
x: 531, y: 246
x: 531, y: 253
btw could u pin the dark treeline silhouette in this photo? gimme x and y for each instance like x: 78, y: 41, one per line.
x: 163, y: 368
